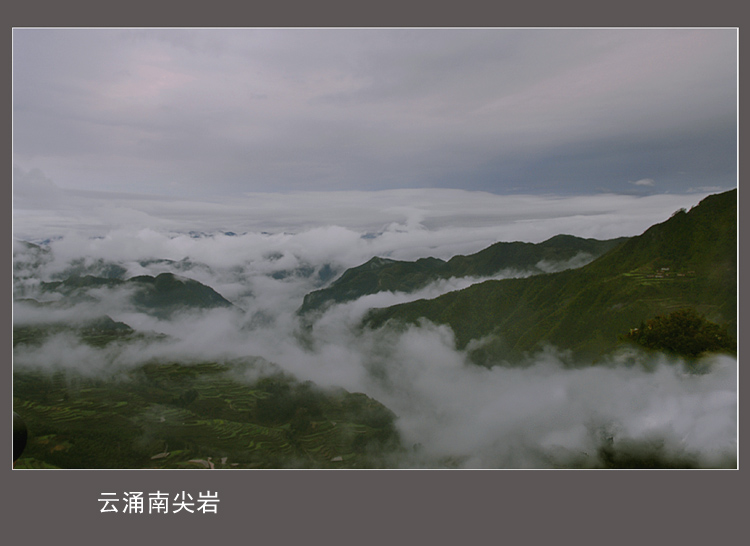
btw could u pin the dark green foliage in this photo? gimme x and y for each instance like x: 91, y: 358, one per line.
x: 377, y: 275
x: 99, y: 268
x: 167, y: 293
x: 688, y: 261
x: 171, y: 415
x: 75, y: 284
x: 96, y: 332
x: 641, y: 455
x: 684, y: 333
x: 161, y: 296
x: 382, y: 274
x: 528, y: 256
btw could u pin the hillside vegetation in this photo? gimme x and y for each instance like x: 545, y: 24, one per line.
x: 172, y: 415
x: 383, y: 274
x: 160, y: 296
x: 684, y: 333
x: 688, y: 261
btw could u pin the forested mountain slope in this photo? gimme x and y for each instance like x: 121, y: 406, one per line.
x: 383, y: 274
x: 161, y: 296
x: 688, y: 261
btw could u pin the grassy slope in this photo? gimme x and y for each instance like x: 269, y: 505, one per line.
x: 586, y: 309
x: 185, y: 416
x: 160, y: 295
x: 379, y: 274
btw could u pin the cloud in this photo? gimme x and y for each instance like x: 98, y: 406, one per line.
x: 546, y: 414
x: 450, y: 412
x: 403, y: 223
x: 201, y: 112
x: 34, y: 190
x: 320, y: 148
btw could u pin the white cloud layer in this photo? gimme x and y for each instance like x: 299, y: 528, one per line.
x: 541, y: 415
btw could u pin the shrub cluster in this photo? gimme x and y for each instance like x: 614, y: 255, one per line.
x: 683, y: 332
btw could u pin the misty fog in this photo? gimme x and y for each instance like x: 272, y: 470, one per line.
x: 545, y: 413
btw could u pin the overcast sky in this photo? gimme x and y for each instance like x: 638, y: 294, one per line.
x: 125, y: 141
x: 221, y: 112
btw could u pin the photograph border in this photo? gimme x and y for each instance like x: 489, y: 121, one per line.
x: 393, y: 506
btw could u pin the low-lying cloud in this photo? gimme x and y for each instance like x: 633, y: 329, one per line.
x: 450, y: 412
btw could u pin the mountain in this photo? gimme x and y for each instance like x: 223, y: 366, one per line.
x: 383, y: 274
x: 96, y: 332
x: 160, y: 296
x: 167, y: 293
x: 688, y: 261
x: 28, y: 260
x: 201, y: 415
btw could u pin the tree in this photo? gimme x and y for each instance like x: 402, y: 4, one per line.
x: 683, y: 332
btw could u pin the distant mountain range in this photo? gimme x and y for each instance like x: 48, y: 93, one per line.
x: 581, y: 296
x: 688, y: 261
x: 515, y: 258
x: 575, y: 294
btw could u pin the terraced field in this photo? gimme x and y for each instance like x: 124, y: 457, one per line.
x: 196, y: 416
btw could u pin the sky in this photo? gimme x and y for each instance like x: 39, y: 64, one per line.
x: 217, y: 114
x: 252, y: 160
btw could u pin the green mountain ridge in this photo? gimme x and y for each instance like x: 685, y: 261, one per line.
x: 688, y: 261
x: 384, y: 274
x: 163, y: 414
x: 161, y: 296
x: 96, y: 332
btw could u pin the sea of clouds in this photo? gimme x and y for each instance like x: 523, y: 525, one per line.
x: 264, y: 252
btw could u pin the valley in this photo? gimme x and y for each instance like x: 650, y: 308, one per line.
x: 292, y: 365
